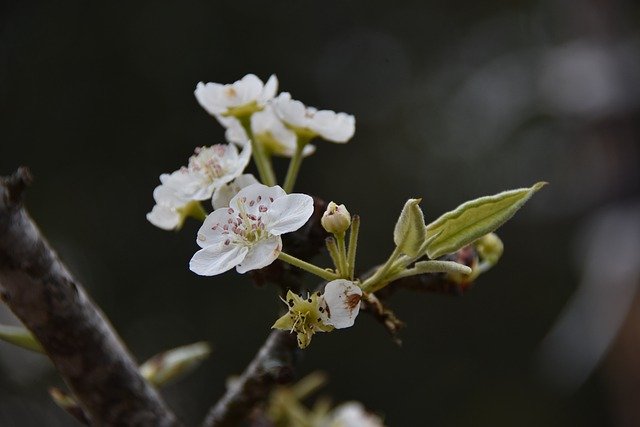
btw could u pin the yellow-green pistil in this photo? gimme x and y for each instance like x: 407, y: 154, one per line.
x: 304, y: 317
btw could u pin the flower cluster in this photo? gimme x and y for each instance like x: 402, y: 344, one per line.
x: 260, y: 125
x: 251, y: 214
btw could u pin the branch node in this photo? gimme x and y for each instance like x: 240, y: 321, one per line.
x: 16, y: 184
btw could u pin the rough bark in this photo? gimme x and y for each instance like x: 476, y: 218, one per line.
x: 73, y: 331
x: 274, y: 364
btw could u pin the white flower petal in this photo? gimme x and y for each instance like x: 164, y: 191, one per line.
x: 290, y: 111
x: 217, y: 99
x: 334, y: 127
x: 223, y: 195
x: 164, y: 217
x: 352, y: 414
x: 165, y: 214
x: 248, y: 89
x: 343, y: 300
x: 207, y: 96
x: 261, y: 254
x: 235, y: 133
x: 288, y: 213
x: 212, y: 167
x: 213, y: 231
x: 182, y: 183
x: 270, y: 89
x: 254, y: 196
x: 272, y: 134
x: 217, y: 259
x: 167, y: 196
x: 308, y: 150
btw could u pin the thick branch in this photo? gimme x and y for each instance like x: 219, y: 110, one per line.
x: 273, y: 365
x: 73, y: 331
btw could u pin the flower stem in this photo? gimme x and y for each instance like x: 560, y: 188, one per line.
x: 313, y: 269
x: 342, y: 256
x: 379, y: 279
x: 197, y: 211
x: 332, y: 247
x: 294, y: 164
x: 260, y: 157
x: 353, y: 245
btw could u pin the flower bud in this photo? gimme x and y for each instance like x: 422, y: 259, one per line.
x: 489, y: 248
x: 336, y: 219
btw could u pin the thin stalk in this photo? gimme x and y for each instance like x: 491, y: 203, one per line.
x: 353, y: 245
x: 260, y: 157
x: 294, y: 164
x: 424, y: 267
x: 342, y: 253
x: 197, y: 211
x: 371, y: 284
x: 332, y: 248
x: 303, y: 265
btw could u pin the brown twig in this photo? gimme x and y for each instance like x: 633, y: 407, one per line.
x: 75, y: 334
x: 274, y: 364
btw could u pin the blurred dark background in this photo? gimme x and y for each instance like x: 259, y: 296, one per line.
x: 452, y: 100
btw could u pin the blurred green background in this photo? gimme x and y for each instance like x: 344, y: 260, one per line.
x: 452, y: 101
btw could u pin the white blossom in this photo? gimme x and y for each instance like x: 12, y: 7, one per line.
x: 268, y: 130
x: 332, y: 126
x: 170, y: 209
x: 249, y: 92
x: 352, y: 414
x: 223, y: 195
x: 246, y: 235
x: 342, y: 298
x: 210, y: 168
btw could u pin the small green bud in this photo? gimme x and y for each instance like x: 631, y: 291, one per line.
x: 336, y: 219
x: 489, y: 248
x: 174, y: 363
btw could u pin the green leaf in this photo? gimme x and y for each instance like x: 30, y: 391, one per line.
x: 410, y: 232
x: 474, y: 219
x: 20, y: 337
x: 171, y: 364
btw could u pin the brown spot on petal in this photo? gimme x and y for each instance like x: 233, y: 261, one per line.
x: 353, y: 300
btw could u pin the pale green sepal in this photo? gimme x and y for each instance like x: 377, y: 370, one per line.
x: 20, y: 337
x: 410, y: 232
x: 474, y: 219
x: 440, y: 267
x: 172, y: 364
